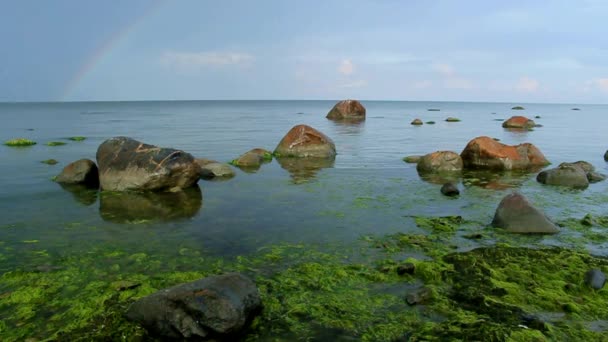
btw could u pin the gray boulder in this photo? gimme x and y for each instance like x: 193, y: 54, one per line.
x: 517, y: 215
x: 440, y: 161
x: 127, y: 164
x: 214, y: 308
x: 595, y: 177
x: 83, y: 172
x: 564, y: 175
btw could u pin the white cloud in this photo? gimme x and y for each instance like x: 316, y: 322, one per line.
x: 423, y: 84
x: 346, y: 67
x: 354, y: 84
x: 458, y: 83
x: 602, y: 84
x: 444, y: 69
x: 528, y: 85
x: 197, y: 60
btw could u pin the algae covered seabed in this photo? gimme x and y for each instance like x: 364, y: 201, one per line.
x: 336, y: 250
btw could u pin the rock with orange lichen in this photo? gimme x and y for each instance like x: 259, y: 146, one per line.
x: 487, y: 153
x: 347, y: 110
x: 305, y: 141
x: 520, y: 122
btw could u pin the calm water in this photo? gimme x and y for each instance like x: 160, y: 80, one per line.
x: 368, y: 190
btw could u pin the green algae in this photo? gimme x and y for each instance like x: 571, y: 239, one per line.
x: 19, y: 142
x: 55, y: 143
x: 446, y: 224
x: 77, y: 138
x: 50, y: 161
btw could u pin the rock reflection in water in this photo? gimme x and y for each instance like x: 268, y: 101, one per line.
x: 304, y: 169
x: 81, y: 193
x: 133, y: 207
x: 494, y: 180
x: 349, y: 127
x: 440, y: 178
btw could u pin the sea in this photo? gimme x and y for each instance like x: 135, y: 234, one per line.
x: 367, y: 190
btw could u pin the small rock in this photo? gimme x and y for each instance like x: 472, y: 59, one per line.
x: 213, y: 170
x: 417, y: 122
x: 440, y: 161
x: 595, y: 278
x: 595, y: 177
x: 537, y: 117
x: 449, y: 189
x: 430, y: 122
x: 407, y: 268
x: 433, y: 110
x: 518, y: 108
x: 451, y: 119
x: 49, y: 162
x: 419, y: 296
x: 412, y: 159
x: 576, y: 109
x: 519, y: 122
x: 606, y: 156
x: 82, y: 171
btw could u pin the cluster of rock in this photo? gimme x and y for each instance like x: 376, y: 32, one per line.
x: 575, y: 175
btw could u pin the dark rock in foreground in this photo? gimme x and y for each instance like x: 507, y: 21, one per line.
x: 83, y: 171
x: 595, y: 279
x: 214, y: 308
x: 564, y: 175
x: 486, y: 153
x: 348, y: 110
x: 440, y: 161
x: 517, y: 215
x: 305, y: 141
x: 127, y: 164
x: 449, y: 189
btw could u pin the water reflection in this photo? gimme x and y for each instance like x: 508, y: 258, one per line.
x: 493, y: 180
x: 348, y: 127
x: 440, y: 178
x: 81, y: 193
x: 133, y: 207
x: 304, y: 169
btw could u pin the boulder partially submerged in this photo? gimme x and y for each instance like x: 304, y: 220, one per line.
x: 516, y: 214
x: 486, y: 153
x: 519, y: 122
x: 82, y: 172
x: 304, y: 141
x: 252, y: 158
x: 440, y: 161
x: 127, y: 164
x: 564, y: 175
x: 347, y: 110
x: 213, y: 308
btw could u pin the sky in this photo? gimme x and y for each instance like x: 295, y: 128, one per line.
x: 467, y: 50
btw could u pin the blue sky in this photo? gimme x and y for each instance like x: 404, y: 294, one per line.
x: 512, y: 51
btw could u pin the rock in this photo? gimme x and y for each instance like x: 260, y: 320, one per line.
x: 430, y: 122
x: 449, y: 189
x: 253, y: 158
x: 412, y: 159
x: 606, y: 156
x: 127, y: 164
x: 583, y: 165
x: 305, y: 141
x: 213, y: 170
x: 50, y: 162
x: 564, y: 175
x: 576, y: 109
x: 407, y: 268
x: 417, y: 122
x: 520, y: 122
x: 595, y: 278
x: 204, y: 161
x: 486, y: 153
x: 433, y: 109
x: 420, y: 296
x: 517, y: 215
x: 83, y: 171
x: 594, y: 177
x: 518, y: 108
x: 348, y: 110
x: 537, y: 117
x: 451, y: 119
x: 440, y: 161
x: 214, y: 308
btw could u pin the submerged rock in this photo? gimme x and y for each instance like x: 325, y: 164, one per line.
x: 595, y: 177
x: 595, y: 278
x: 520, y: 122
x: 606, y: 156
x: 440, y: 161
x: 305, y: 141
x: 253, y: 158
x: 214, y: 308
x: 517, y: 215
x: 412, y: 159
x: 348, y: 110
x: 216, y: 170
x: 420, y: 296
x: 127, y: 164
x: 564, y: 175
x: 451, y: 119
x: 83, y: 171
x: 450, y: 189
x: 486, y: 153
x: 417, y: 122
x: 518, y: 108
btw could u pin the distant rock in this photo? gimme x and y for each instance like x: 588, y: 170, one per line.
x: 50, y: 161
x: 253, y: 158
x: 564, y: 175
x: 433, y: 109
x: 596, y: 279
x: 486, y: 153
x: 450, y: 190
x: 350, y: 110
x: 83, y: 171
x: 520, y: 122
x: 606, y: 156
x: 412, y: 159
x: 440, y: 161
x: 451, y: 119
x: 537, y: 117
x: 517, y: 215
x: 518, y: 108
x: 127, y: 164
x: 305, y: 141
x: 217, y: 308
x: 430, y: 122
x: 576, y: 109
x: 417, y: 122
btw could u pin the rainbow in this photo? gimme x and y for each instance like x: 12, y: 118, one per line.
x: 105, y: 48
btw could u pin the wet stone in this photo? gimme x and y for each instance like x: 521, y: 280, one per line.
x: 595, y: 278
x: 407, y: 268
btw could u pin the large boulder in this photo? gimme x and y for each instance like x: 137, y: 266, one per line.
x: 487, y: 153
x: 83, y: 172
x: 565, y: 174
x: 349, y: 110
x: 520, y: 122
x: 127, y: 164
x: 305, y: 141
x: 440, y: 161
x: 517, y: 215
x: 214, y: 308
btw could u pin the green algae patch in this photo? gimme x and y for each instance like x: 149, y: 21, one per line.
x: 49, y: 161
x: 445, y: 224
x: 77, y: 138
x: 19, y: 142
x: 55, y: 143
x: 267, y: 156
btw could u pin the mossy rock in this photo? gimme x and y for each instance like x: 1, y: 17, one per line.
x: 50, y: 162
x: 19, y: 142
x: 518, y: 108
x: 433, y: 109
x: 77, y: 138
x: 450, y: 119
x: 430, y: 122
x: 55, y: 143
